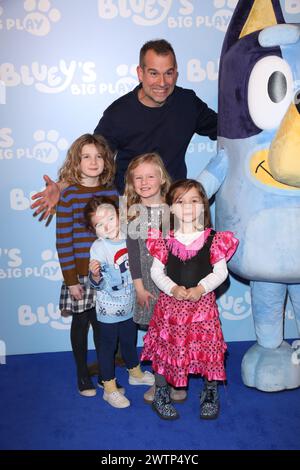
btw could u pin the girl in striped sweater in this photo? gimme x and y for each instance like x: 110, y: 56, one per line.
x: 89, y: 168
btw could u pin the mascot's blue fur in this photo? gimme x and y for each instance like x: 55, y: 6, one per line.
x: 256, y: 175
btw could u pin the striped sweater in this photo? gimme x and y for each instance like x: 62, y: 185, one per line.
x: 73, y: 240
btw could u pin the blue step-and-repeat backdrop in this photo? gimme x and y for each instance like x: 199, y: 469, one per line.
x: 62, y: 62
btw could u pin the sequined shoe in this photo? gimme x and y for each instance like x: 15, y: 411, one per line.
x: 162, y: 404
x: 209, y: 401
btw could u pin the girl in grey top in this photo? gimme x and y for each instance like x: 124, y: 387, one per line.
x: 147, y: 183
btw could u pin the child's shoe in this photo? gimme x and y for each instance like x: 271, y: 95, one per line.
x: 162, y: 404
x: 149, y: 395
x: 178, y: 395
x: 119, y: 387
x: 146, y: 378
x: 86, y: 387
x: 209, y: 401
x: 116, y: 399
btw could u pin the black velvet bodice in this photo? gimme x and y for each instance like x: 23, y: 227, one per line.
x: 188, y: 273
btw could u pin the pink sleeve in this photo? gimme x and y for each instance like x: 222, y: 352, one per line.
x: 223, y: 245
x: 156, y: 246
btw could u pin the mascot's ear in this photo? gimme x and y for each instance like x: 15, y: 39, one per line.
x: 250, y: 16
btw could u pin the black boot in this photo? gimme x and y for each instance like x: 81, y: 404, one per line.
x: 162, y: 404
x: 209, y: 401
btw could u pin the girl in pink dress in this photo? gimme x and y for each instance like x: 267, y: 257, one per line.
x: 185, y: 335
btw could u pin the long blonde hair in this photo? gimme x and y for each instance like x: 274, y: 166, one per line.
x: 70, y: 170
x: 131, y: 196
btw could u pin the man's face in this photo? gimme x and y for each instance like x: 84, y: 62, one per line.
x: 158, y: 77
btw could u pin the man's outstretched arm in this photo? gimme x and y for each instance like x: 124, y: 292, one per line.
x: 46, y: 200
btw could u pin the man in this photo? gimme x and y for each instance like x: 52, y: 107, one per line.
x: 157, y: 116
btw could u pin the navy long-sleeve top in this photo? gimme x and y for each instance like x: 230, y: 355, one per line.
x: 132, y: 128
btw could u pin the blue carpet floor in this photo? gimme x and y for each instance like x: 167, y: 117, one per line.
x: 41, y: 409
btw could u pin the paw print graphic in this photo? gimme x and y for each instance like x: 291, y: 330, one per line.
x: 224, y: 13
x: 51, y: 268
x: 39, y: 17
x: 48, y: 146
x: 126, y: 83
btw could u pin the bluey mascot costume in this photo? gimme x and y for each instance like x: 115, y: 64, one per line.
x: 256, y: 175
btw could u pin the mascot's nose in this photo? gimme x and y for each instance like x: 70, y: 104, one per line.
x: 284, y: 154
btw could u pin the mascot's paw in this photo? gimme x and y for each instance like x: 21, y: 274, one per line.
x: 272, y: 370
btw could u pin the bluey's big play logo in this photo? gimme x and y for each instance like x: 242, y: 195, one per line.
x: 44, y: 315
x: 239, y: 307
x: 198, y: 72
x: 142, y: 13
x: 185, y: 13
x: 218, y: 18
x: 46, y: 78
x: 235, y: 308
x: 46, y: 148
x: 78, y: 76
x: 124, y: 82
x: 38, y: 19
x: 196, y: 147
x: 13, y: 267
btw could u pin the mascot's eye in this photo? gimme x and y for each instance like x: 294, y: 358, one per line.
x: 277, y: 87
x: 127, y: 264
x: 270, y: 91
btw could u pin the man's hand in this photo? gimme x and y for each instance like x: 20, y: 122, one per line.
x: 179, y: 292
x: 76, y: 291
x: 46, y: 200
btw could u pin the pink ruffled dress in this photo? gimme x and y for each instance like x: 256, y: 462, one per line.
x: 185, y: 337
